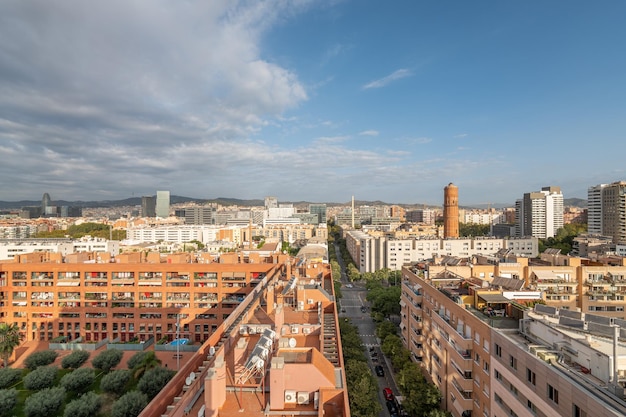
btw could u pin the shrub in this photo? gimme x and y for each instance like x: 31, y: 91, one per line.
x: 107, y: 360
x: 44, y: 403
x: 75, y: 359
x: 40, y: 358
x: 8, y: 399
x: 86, y: 406
x: 9, y: 376
x: 136, y: 359
x: 129, y: 404
x: 115, y: 382
x: 154, y: 380
x: 40, y: 378
x: 79, y: 380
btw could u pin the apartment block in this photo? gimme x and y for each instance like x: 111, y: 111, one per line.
x: 607, y: 211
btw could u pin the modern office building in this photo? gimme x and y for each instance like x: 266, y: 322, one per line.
x: 148, y: 206
x: 451, y: 211
x: 540, y: 214
x: 198, y: 214
x: 162, y: 207
x: 607, y: 211
x: 320, y: 210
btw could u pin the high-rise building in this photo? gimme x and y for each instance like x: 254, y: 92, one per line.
x: 46, y: 201
x: 163, y: 204
x: 148, y: 206
x: 320, y: 210
x: 540, y: 213
x: 607, y: 211
x: 271, y: 202
x: 199, y: 215
x: 451, y: 211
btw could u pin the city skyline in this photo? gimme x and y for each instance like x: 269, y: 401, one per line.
x: 312, y: 101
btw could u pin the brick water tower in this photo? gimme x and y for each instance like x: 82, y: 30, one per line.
x: 451, y: 211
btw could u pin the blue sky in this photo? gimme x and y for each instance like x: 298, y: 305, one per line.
x: 311, y: 100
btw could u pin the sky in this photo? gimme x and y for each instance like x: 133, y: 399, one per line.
x: 311, y: 100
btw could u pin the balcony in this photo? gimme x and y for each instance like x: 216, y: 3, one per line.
x: 177, y: 276
x: 95, y: 276
x: 123, y: 276
x: 465, y: 392
x: 42, y: 276
x: 462, y: 406
x: 459, y: 341
x: 150, y: 278
x: 205, y: 276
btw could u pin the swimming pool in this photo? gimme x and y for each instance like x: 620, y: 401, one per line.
x: 177, y: 342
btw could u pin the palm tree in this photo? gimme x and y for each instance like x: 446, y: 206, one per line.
x: 148, y: 362
x: 10, y: 338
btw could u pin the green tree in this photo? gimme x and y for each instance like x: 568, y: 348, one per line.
x: 40, y: 378
x: 154, y: 380
x: 86, y: 405
x: 10, y: 338
x: 44, y: 403
x: 8, y: 400
x: 107, y: 360
x: 147, y: 362
x: 75, y: 359
x: 40, y: 358
x: 79, y: 380
x: 115, y: 382
x: 129, y: 404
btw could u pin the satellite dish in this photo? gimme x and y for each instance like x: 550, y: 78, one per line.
x: 192, y: 376
x: 188, y: 381
x: 292, y: 342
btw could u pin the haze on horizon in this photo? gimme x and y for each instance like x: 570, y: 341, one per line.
x: 310, y: 100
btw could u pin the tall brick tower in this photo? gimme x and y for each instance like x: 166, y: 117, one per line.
x: 451, y: 211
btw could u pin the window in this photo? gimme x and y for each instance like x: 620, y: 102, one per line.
x: 531, y: 376
x: 578, y: 412
x: 486, y: 367
x: 553, y: 394
x: 498, y: 350
x: 513, y: 362
x: 498, y: 375
x: 532, y: 407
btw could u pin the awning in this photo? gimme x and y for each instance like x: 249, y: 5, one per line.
x: 494, y: 298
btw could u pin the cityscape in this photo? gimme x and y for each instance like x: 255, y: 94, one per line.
x: 324, y: 208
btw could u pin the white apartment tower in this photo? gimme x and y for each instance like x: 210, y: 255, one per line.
x: 540, y: 213
x: 163, y: 204
x: 607, y: 211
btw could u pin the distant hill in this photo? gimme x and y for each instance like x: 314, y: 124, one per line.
x: 575, y: 202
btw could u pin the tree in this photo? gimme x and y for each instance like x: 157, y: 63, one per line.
x: 40, y: 358
x: 10, y: 338
x: 107, y: 360
x: 79, y: 380
x: 8, y: 400
x: 9, y: 377
x: 154, y: 380
x: 129, y: 404
x: 147, y: 362
x: 40, y: 378
x: 75, y: 359
x: 44, y: 403
x: 87, y: 405
x: 115, y: 382
x: 362, y: 387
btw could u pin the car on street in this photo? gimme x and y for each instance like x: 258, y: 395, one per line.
x: 392, y: 407
x: 349, y: 286
x: 388, y: 394
x: 363, y: 309
x: 379, y: 370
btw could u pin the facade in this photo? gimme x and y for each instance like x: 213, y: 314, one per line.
x: 427, y: 216
x: 540, y: 214
x: 607, y: 211
x: 162, y: 207
x: 491, y: 356
x: 319, y: 210
x: 372, y: 252
x: 199, y: 215
x: 148, y: 206
x: 451, y: 211
x: 10, y: 248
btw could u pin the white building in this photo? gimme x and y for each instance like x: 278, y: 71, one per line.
x: 163, y: 204
x: 540, y: 213
x: 11, y: 247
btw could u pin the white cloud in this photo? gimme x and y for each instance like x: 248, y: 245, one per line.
x: 369, y: 133
x: 460, y: 136
x: 381, y: 82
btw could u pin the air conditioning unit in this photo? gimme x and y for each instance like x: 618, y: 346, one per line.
x: 303, y: 397
x: 290, y: 396
x: 294, y: 329
x: 306, y: 330
x: 310, y: 301
x: 300, y: 305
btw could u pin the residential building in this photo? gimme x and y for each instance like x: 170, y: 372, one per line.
x: 607, y: 211
x: 540, y: 214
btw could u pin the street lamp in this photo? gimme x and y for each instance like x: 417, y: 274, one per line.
x: 177, y: 342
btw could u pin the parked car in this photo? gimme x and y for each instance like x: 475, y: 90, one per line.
x: 379, y: 370
x: 388, y: 394
x: 363, y: 309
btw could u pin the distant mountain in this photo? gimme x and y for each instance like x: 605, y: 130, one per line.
x: 575, y: 202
